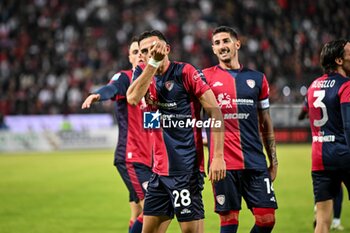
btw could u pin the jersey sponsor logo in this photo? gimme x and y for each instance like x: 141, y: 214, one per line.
x: 251, y: 83
x: 185, y: 211
x: 145, y: 185
x: 169, y: 85
x: 151, y: 120
x: 243, y: 101
x: 228, y: 116
x: 220, y: 199
x: 218, y: 84
x: 326, y: 138
x: 224, y: 100
x: 323, y: 84
x: 115, y: 77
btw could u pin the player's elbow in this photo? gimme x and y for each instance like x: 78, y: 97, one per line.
x: 132, y: 100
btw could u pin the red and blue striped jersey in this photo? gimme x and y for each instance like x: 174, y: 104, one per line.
x: 134, y: 143
x: 177, y: 150
x: 328, y: 102
x: 240, y: 94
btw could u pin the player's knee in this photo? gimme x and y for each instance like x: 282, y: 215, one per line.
x: 264, y: 217
x: 229, y: 217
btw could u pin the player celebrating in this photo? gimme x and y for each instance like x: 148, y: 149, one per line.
x: 177, y: 91
x: 328, y: 101
x: 133, y: 154
x: 242, y: 95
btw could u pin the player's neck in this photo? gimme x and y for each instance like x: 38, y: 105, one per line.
x: 230, y: 65
x: 164, y: 66
x: 341, y: 71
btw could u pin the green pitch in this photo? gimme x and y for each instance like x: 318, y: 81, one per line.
x: 80, y: 192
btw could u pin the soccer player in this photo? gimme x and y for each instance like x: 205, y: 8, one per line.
x: 243, y: 95
x: 177, y: 91
x: 337, y: 201
x: 133, y: 154
x: 328, y: 101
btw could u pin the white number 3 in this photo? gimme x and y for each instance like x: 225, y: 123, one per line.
x: 319, y: 104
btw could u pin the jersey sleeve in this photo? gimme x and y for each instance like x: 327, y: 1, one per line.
x: 264, y: 94
x: 118, y: 85
x: 344, y: 96
x: 137, y: 72
x: 194, y: 81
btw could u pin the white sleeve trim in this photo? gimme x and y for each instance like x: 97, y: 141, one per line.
x: 263, y: 104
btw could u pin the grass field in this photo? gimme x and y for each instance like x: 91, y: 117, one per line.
x: 80, y: 192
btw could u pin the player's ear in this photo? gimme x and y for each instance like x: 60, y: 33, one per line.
x: 168, y: 48
x: 238, y: 44
x: 339, y: 61
x: 212, y: 47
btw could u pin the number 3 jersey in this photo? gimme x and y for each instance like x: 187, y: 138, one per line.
x: 328, y: 102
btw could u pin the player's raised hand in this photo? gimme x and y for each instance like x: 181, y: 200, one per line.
x: 159, y: 50
x: 90, y: 100
x: 217, y: 169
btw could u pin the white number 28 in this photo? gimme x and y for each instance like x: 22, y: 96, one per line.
x: 182, y: 198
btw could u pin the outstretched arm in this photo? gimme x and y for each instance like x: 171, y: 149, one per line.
x: 217, y: 169
x: 268, y: 137
x: 104, y: 93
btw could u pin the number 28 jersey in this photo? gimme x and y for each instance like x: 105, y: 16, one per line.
x: 328, y: 100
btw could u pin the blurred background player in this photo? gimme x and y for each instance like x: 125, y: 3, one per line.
x: 3, y: 125
x: 328, y: 102
x: 175, y: 89
x: 133, y: 154
x: 243, y: 96
x: 337, y: 201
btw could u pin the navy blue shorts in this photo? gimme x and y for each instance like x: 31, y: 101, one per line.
x: 175, y: 195
x: 327, y: 183
x: 253, y: 185
x: 135, y: 177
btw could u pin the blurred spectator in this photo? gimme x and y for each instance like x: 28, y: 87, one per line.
x: 3, y: 125
x: 53, y: 53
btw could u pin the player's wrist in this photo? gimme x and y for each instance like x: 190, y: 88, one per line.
x: 154, y: 62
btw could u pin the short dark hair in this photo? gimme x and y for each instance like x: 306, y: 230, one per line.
x: 233, y: 33
x: 148, y: 34
x: 331, y: 51
x: 134, y: 39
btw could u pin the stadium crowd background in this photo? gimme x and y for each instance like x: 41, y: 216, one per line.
x: 54, y: 52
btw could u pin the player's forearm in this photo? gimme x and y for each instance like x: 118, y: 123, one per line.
x: 139, y: 87
x: 213, y: 110
x: 345, y: 110
x: 106, y: 92
x: 270, y: 146
x: 268, y: 136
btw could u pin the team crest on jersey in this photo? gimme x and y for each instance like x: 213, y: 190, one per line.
x: 169, y: 85
x: 251, y: 83
x: 224, y: 100
x: 220, y: 199
x: 145, y: 185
